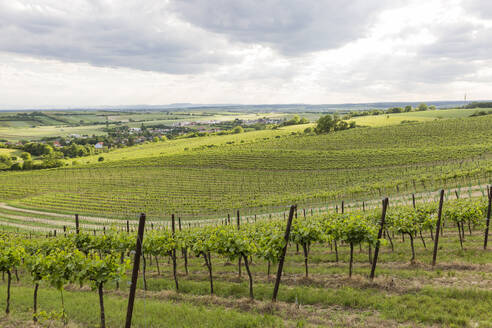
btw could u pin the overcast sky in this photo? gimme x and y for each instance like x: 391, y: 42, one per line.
x: 124, y: 52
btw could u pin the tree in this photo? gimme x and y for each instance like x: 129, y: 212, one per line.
x: 238, y: 129
x: 328, y: 123
x: 27, y: 165
x: 408, y: 108
x: 5, y: 162
x: 432, y: 107
x: 325, y: 124
x: 422, y: 107
x: 395, y: 110
x: 26, y: 156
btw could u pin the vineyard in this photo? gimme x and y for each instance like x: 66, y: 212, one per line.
x: 261, y: 172
x: 223, y: 247
x: 363, y: 268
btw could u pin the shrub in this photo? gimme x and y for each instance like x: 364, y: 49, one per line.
x: 16, y: 166
x: 238, y: 129
x: 26, y: 156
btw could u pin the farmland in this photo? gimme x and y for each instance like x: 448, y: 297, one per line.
x: 336, y: 290
x: 259, y: 171
x: 415, y: 117
x: 230, y: 195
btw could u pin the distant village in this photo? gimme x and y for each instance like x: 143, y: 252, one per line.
x: 75, y: 145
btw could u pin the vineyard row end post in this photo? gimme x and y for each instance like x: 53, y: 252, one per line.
x: 438, y: 227
x: 293, y: 208
x: 136, y: 265
x: 380, y: 234
x: 77, y: 229
x: 489, y: 196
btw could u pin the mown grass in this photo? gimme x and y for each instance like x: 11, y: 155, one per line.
x: 457, y: 293
x: 82, y: 308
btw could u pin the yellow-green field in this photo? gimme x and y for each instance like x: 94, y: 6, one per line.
x: 392, y: 119
x: 30, y: 130
x: 185, y: 145
x: 10, y: 152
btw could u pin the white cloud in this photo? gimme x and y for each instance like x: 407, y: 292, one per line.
x: 82, y: 53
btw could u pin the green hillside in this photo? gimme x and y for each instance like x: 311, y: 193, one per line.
x: 260, y: 171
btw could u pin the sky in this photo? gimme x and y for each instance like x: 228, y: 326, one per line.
x: 77, y: 53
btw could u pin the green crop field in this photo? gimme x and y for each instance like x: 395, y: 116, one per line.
x: 230, y: 196
x: 259, y: 171
x: 415, y: 117
x: 223, y: 275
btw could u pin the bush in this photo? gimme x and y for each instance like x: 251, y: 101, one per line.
x: 330, y: 123
x: 16, y: 166
x: 308, y: 130
x: 26, y: 156
x: 100, y: 159
x: 5, y: 162
x: 238, y: 129
x: 27, y: 165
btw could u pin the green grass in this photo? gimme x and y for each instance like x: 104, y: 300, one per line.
x: 10, y: 152
x: 82, y: 308
x: 457, y: 293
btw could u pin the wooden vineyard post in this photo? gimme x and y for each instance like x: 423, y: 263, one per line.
x: 489, y: 196
x: 239, y: 260
x: 438, y: 227
x: 413, y: 200
x: 173, y: 226
x: 380, y: 234
x: 127, y: 226
x: 136, y: 265
x: 284, y: 251
x: 343, y: 207
x: 77, y: 229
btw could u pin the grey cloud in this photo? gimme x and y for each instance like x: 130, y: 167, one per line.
x: 397, y: 74
x: 466, y: 41
x: 134, y: 35
x: 293, y: 27
x: 480, y: 8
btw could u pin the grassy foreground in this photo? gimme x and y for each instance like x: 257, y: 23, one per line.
x: 456, y: 293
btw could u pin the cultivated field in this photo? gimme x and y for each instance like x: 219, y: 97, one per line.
x: 231, y: 196
x: 258, y: 171
x: 416, y: 117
